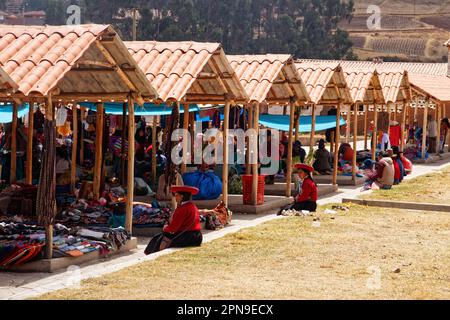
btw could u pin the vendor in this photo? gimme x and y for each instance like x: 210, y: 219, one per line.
x: 184, y: 229
x: 62, y: 166
x: 306, y: 199
x: 322, y: 156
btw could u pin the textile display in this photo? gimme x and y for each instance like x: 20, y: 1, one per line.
x: 151, y: 215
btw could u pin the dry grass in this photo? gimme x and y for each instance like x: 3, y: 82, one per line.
x: 430, y: 188
x: 293, y: 259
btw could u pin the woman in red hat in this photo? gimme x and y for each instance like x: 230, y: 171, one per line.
x: 184, y: 229
x: 307, y: 198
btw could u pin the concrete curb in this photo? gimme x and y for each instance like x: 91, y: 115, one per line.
x: 400, y: 205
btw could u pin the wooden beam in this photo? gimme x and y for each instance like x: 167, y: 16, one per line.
x: 98, y: 150
x: 130, y: 174
x: 298, y: 112
x: 255, y: 149
x: 336, y: 144
x: 312, y: 139
x: 438, y: 119
x: 29, y: 171
x: 49, y: 110
x: 366, y: 119
x: 73, y: 169
x: 13, y: 176
x: 186, y: 151
x: 355, y: 142
x: 154, y: 151
x: 119, y: 71
x: 248, y: 167
x: 403, y: 126
x: 349, y: 125
x: 375, y: 132
x: 226, y: 123
x: 289, y: 163
x: 82, y: 115
x: 424, y: 128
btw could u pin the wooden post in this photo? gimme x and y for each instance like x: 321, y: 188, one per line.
x: 312, y: 139
x: 349, y: 125
x: 403, y: 125
x: 186, y: 152
x: 438, y: 122
x: 390, y: 115
x: 130, y: 174
x: 375, y: 132
x: 154, y: 150
x: 248, y: 168
x: 289, y: 155
x: 355, y: 141
x: 123, y: 139
x: 29, y: 173
x: 73, y: 171
x: 13, y: 177
x: 255, y: 149
x: 297, y: 123
x: 226, y: 122
x: 336, y: 144
x: 424, y: 128
x: 82, y: 113
x: 366, y: 118
x: 98, y: 150
x: 48, y: 254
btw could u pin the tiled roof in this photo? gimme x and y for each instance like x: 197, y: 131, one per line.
x: 271, y: 78
x: 392, y: 75
x: 196, y: 71
x: 325, y: 82
x: 438, y: 87
x: 365, y: 87
x: 411, y: 67
x: 70, y: 59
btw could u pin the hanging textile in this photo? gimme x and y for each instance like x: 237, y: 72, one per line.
x: 171, y: 167
x: 46, y: 197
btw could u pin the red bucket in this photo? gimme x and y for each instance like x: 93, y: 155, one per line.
x: 247, y: 185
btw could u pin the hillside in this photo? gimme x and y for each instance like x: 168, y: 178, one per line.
x: 408, y: 32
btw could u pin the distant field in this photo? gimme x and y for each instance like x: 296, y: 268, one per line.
x: 442, y: 22
x: 404, y: 6
x: 387, y: 22
x: 405, y: 46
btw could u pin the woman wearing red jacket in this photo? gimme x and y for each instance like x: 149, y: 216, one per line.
x: 184, y: 229
x: 307, y: 198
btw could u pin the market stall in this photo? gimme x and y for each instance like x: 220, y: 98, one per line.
x: 54, y: 65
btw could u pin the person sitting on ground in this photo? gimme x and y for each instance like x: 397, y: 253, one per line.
x: 346, y: 151
x: 407, y: 164
x: 384, y: 174
x: 163, y: 193
x: 397, y: 169
x: 398, y: 165
x: 322, y: 156
x: 307, y: 198
x: 445, y: 126
x: 369, y: 172
x: 298, y: 153
x: 184, y: 228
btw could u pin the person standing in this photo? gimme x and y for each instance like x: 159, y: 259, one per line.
x: 445, y: 125
x: 431, y: 134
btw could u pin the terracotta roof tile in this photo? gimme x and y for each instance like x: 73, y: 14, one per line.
x: 37, y: 58
x: 269, y: 77
x: 320, y: 79
x: 174, y: 67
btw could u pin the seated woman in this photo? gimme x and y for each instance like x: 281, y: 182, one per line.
x: 62, y: 166
x: 346, y: 151
x: 184, y: 229
x: 322, y: 156
x: 307, y: 198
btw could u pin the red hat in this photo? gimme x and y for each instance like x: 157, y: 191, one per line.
x: 301, y: 166
x: 192, y: 190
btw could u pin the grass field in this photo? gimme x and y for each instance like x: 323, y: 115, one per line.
x: 431, y: 188
x: 366, y: 253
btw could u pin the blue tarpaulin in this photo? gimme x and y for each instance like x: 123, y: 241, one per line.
x: 149, y: 109
x: 280, y: 122
x: 207, y: 118
x: 6, y: 112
